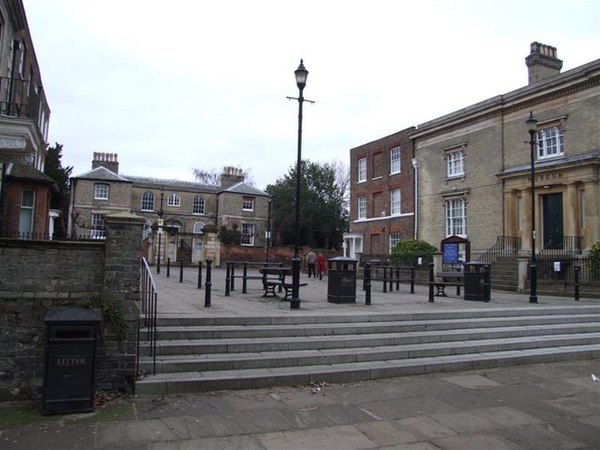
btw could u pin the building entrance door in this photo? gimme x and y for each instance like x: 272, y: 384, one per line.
x: 552, y: 216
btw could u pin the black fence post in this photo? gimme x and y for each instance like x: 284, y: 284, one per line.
x: 412, y: 280
x: 208, y: 284
x: 576, y: 273
x: 158, y: 258
x: 397, y: 278
x: 430, y: 282
x: 181, y: 271
x: 199, y: 274
x: 232, y: 274
x: 245, y: 274
x: 367, y: 284
x: 227, y: 279
x: 168, y: 267
x: 384, y: 279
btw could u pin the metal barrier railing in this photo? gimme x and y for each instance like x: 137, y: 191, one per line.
x: 148, y: 304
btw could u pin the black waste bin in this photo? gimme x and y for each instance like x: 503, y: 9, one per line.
x: 341, y: 284
x: 477, y: 281
x: 70, y: 361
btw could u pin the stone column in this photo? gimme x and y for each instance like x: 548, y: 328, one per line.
x: 526, y: 218
x: 510, y: 221
x: 591, y: 225
x: 571, y: 209
x: 122, y: 256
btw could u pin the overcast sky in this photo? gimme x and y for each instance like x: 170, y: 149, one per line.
x: 181, y: 84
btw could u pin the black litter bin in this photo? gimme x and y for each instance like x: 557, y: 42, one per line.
x: 477, y: 281
x: 70, y: 361
x: 341, y: 284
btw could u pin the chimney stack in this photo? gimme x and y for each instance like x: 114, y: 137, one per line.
x: 542, y: 62
x: 230, y: 176
x: 107, y: 160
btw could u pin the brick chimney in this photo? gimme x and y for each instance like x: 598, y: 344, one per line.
x: 108, y: 160
x: 542, y: 62
x: 231, y: 176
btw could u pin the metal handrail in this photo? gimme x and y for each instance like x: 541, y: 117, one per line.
x: 504, y: 246
x: 149, y: 304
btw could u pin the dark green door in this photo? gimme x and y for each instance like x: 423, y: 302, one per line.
x: 552, y: 215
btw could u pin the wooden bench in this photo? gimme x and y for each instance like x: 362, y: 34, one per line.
x: 455, y: 278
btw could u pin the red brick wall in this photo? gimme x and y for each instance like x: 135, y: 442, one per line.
x: 12, y: 206
x: 377, y: 190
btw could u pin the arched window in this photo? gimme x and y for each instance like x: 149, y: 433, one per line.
x: 148, y: 201
x: 173, y: 200
x: 198, y: 205
x: 198, y: 228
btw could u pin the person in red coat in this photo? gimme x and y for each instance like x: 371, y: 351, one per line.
x: 321, y: 265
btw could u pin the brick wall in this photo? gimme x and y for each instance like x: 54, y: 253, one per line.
x: 38, y: 277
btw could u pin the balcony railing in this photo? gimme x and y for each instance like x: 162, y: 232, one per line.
x: 20, y: 98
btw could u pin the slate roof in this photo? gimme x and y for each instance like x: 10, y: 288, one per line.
x: 25, y: 171
x: 243, y: 188
x: 172, y: 184
x: 103, y: 174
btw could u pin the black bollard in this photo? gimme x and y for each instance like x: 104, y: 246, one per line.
x: 431, y: 283
x: 576, y: 273
x: 384, y: 279
x: 168, y: 267
x: 232, y: 280
x: 412, y: 280
x: 367, y: 284
x: 181, y: 271
x: 227, y: 279
x: 208, y: 284
x: 158, y: 259
x: 245, y: 274
x: 199, y: 274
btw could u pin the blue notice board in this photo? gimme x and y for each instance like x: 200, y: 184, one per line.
x: 450, y: 253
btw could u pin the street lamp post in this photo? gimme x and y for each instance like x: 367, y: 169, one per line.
x: 532, y: 128
x: 268, y: 232
x: 301, y: 74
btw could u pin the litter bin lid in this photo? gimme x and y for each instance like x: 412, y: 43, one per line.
x: 72, y: 315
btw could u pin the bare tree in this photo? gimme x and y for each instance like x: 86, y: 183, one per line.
x: 207, y: 176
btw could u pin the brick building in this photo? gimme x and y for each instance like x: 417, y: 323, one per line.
x: 472, y: 167
x: 381, y: 195
x: 24, y: 113
x: 474, y: 164
x: 182, y: 218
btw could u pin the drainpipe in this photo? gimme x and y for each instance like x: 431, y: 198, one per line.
x: 70, y: 219
x: 415, y: 164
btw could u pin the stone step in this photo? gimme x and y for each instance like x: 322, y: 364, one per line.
x: 305, y: 342
x: 206, y: 353
x: 466, y: 313
x: 358, y: 328
x: 185, y: 382
x: 253, y: 360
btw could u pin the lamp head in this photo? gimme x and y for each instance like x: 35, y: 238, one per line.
x: 301, y: 75
x: 531, y: 123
